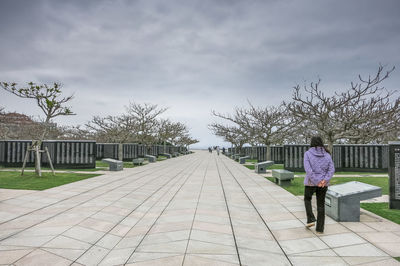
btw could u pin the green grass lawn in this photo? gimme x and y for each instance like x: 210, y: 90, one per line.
x: 30, y: 181
x: 276, y: 166
x: 251, y: 167
x: 99, y: 167
x: 161, y: 158
x: 297, y: 186
x: 382, y: 209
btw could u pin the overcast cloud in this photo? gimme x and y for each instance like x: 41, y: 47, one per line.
x: 191, y: 56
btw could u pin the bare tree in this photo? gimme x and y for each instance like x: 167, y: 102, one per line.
x: 300, y: 133
x: 186, y: 140
x: 114, y: 129
x: 170, y: 132
x: 4, y: 130
x: 232, y: 134
x: 270, y: 125
x: 242, y: 119
x: 146, y: 119
x: 261, y: 125
x: 139, y: 123
x: 241, y: 127
x: 362, y: 113
x: 77, y: 133
x: 49, y: 99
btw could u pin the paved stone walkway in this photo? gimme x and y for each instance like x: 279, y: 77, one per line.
x: 199, y: 209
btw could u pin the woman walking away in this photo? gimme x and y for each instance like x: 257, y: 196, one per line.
x: 319, y: 171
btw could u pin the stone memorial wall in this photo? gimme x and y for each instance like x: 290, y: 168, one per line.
x: 394, y: 175
x: 260, y: 153
x: 75, y: 153
x: 129, y: 151
x: 63, y: 153
x: 345, y: 157
x: 250, y: 152
x: 362, y: 157
x: 107, y: 150
x: 277, y: 154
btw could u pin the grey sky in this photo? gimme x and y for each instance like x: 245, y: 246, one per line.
x: 192, y: 56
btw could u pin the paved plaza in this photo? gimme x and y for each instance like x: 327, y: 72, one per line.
x: 199, y: 209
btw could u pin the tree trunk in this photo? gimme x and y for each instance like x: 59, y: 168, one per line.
x: 120, y: 151
x: 38, y: 171
x: 330, y: 146
x: 39, y: 142
x: 268, y: 152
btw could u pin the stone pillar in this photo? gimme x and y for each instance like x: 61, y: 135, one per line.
x: 394, y: 175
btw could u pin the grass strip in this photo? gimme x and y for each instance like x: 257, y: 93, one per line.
x: 382, y: 209
x: 30, y: 181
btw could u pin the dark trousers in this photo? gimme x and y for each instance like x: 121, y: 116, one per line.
x: 320, y: 192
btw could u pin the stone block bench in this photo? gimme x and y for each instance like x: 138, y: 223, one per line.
x: 242, y: 160
x: 342, y: 202
x: 282, y: 177
x: 261, y: 167
x: 138, y: 161
x: 236, y: 157
x: 175, y: 154
x: 151, y: 158
x: 168, y: 155
x: 114, y: 165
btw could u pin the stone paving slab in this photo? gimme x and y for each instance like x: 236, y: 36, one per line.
x: 199, y: 209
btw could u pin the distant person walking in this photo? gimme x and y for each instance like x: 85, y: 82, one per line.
x: 223, y: 150
x: 209, y: 150
x: 319, y: 171
x: 218, y: 150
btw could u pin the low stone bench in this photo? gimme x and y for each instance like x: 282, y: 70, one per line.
x: 342, y: 201
x: 138, y: 161
x: 175, y: 154
x: 282, y: 177
x: 261, y: 167
x: 236, y: 157
x: 168, y: 155
x: 114, y: 165
x: 242, y: 160
x: 151, y: 158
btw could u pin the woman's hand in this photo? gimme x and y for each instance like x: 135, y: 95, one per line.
x: 322, y: 183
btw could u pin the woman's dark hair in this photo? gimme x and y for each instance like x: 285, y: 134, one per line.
x: 317, y: 141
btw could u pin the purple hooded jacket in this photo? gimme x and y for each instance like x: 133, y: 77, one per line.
x: 318, y: 165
